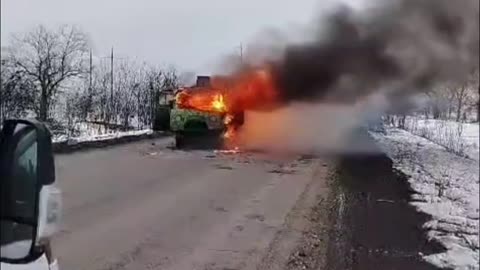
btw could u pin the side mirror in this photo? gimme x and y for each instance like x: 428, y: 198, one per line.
x: 26, y: 165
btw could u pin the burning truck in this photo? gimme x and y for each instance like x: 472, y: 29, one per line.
x: 201, y: 112
x: 214, y: 108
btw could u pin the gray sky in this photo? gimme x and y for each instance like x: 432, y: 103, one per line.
x: 191, y: 34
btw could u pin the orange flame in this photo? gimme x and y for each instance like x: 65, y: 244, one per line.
x: 230, y: 132
x: 218, y: 104
x: 250, y: 89
x: 204, y: 100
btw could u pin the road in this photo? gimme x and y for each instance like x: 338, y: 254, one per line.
x: 373, y: 225
x: 366, y: 222
x: 144, y: 206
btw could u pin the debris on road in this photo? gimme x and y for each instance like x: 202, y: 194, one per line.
x: 282, y: 171
x: 387, y: 201
x: 235, y: 150
x: 223, y: 167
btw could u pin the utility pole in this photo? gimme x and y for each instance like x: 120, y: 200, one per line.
x: 91, y: 69
x: 89, y: 100
x: 241, y: 53
x: 111, y: 77
x: 110, y: 105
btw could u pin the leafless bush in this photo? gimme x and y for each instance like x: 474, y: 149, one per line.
x: 443, y: 183
x: 71, y: 114
x: 443, y: 133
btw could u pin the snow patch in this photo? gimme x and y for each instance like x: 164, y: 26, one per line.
x: 100, y: 137
x: 447, y: 188
x: 460, y: 137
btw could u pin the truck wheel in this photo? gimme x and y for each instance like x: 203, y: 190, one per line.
x: 162, y: 118
x: 179, y: 141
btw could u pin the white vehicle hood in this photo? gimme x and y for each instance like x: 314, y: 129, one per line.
x: 40, y: 264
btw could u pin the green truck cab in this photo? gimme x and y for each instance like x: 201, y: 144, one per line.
x: 188, y: 124
x: 193, y: 121
x: 191, y: 126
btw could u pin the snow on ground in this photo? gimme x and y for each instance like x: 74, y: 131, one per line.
x: 100, y: 137
x: 461, y: 137
x: 447, y: 188
x: 95, y: 132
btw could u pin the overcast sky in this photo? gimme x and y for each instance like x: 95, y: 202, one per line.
x: 191, y: 34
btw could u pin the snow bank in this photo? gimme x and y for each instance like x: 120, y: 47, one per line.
x: 447, y: 188
x: 100, y: 137
x: 89, y: 132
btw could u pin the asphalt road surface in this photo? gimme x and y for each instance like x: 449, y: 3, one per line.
x: 144, y: 206
x: 366, y: 221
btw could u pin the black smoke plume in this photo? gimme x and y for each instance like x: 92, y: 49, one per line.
x: 397, y: 46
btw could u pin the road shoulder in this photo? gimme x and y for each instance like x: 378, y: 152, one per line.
x: 366, y: 222
x: 306, y: 214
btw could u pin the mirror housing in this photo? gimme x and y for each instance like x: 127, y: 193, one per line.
x: 23, y: 190
x: 46, y: 165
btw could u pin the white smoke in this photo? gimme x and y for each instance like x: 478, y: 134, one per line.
x: 311, y: 128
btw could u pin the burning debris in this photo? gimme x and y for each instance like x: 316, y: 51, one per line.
x: 235, y: 150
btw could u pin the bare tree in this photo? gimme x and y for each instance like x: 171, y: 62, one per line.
x: 475, y: 97
x: 125, y: 99
x: 170, y: 79
x: 16, y: 93
x: 50, y: 59
x: 464, y: 93
x: 460, y: 95
x: 154, y: 80
x: 73, y: 112
x: 100, y: 90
